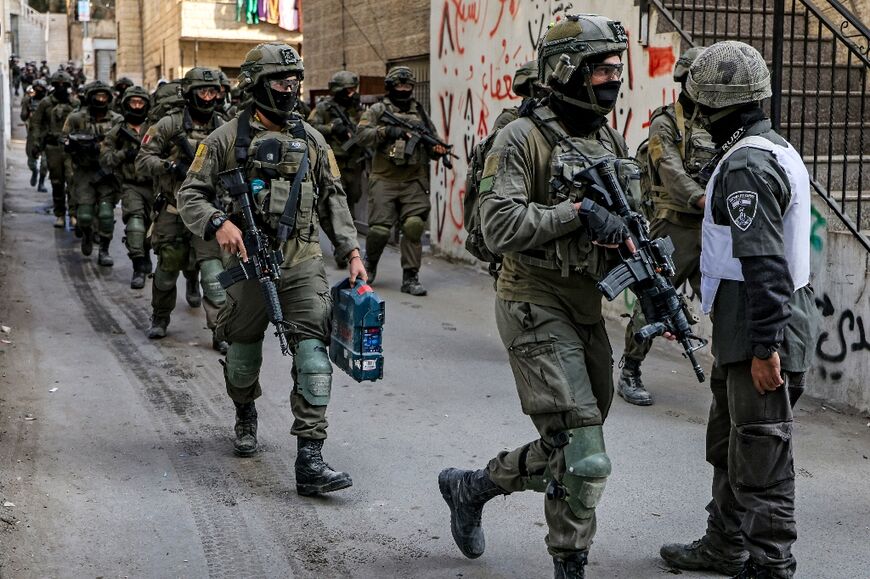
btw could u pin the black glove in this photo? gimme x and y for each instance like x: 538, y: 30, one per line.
x: 131, y: 154
x: 604, y: 226
x: 392, y: 133
x: 180, y: 169
x: 339, y: 129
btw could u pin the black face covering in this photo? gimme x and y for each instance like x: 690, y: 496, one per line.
x: 98, y: 107
x: 721, y: 129
x: 687, y: 103
x: 346, y: 100
x: 200, y: 108
x: 135, y: 117
x: 61, y: 94
x: 607, y: 93
x: 401, y: 98
x: 578, y: 122
x: 275, y: 106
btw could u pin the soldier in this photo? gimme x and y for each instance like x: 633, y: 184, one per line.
x: 398, y: 182
x: 47, y: 128
x: 548, y: 310
x: 337, y: 117
x: 35, y: 162
x: 15, y: 70
x: 121, y: 85
x: 755, y: 267
x: 166, y: 154
x: 678, y: 150
x: 222, y: 106
x: 267, y: 129
x: 44, y: 70
x: 94, y: 191
x: 118, y: 153
x: 525, y: 85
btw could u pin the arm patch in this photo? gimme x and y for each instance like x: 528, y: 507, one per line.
x: 333, y: 164
x: 199, y: 159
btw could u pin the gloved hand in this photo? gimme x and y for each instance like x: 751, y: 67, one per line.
x: 604, y: 227
x: 131, y: 153
x: 392, y: 133
x: 339, y: 129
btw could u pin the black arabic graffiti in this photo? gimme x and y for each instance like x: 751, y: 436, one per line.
x: 854, y: 323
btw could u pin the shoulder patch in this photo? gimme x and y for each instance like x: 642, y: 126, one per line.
x: 333, y: 164
x: 490, y: 166
x: 152, y: 130
x: 199, y: 158
x: 742, y: 206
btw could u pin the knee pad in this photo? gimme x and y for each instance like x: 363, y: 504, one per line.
x: 106, y: 216
x: 587, y: 467
x: 85, y: 215
x: 135, y: 232
x: 212, y: 289
x: 165, y: 280
x: 313, y: 371
x: 243, y: 363
x: 376, y: 240
x: 173, y: 256
x: 413, y: 228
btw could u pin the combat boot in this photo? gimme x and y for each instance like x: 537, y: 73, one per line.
x: 313, y: 475
x: 411, y: 283
x: 219, y: 345
x: 138, y: 280
x: 754, y: 571
x: 571, y: 567
x: 59, y: 222
x: 33, y: 174
x: 630, y: 386
x: 87, y: 242
x: 103, y: 257
x: 246, y: 429
x: 465, y: 492
x: 41, y: 187
x: 158, y: 328
x: 191, y: 294
x: 371, y: 269
x: 700, y: 556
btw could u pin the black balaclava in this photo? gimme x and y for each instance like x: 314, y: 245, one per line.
x: 578, y: 119
x: 347, y: 100
x: 61, y: 93
x: 200, y: 109
x: 135, y: 116
x: 401, y: 98
x: 99, y: 108
x: 275, y: 105
x: 723, y: 126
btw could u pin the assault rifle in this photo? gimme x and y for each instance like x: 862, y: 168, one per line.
x: 353, y: 139
x: 263, y: 263
x: 419, y: 133
x: 647, y: 272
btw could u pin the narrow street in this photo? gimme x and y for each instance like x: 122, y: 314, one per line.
x: 116, y: 451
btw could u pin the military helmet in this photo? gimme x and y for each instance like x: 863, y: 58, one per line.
x: 223, y: 79
x: 125, y: 81
x: 399, y: 75
x: 267, y: 59
x: 136, y: 91
x: 525, y: 78
x: 576, y: 41
x: 728, y: 73
x: 96, y: 86
x: 40, y: 82
x: 61, y: 77
x: 199, y: 77
x: 342, y: 80
x: 681, y: 69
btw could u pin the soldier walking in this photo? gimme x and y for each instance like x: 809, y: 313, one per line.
x: 274, y: 145
x: 35, y: 161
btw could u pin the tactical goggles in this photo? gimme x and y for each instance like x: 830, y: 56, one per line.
x: 136, y: 103
x: 101, y: 97
x: 289, y: 84
x: 606, y: 72
x: 206, y: 92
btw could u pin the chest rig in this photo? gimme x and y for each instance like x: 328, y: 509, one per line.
x: 397, y: 151
x: 569, y: 158
x: 57, y: 117
x: 278, y: 168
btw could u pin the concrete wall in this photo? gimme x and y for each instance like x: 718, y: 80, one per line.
x: 369, y: 39
x: 5, y: 99
x: 56, y: 40
x: 128, y: 25
x: 475, y: 49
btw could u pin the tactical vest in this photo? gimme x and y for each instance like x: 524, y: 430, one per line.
x: 568, y: 157
x: 194, y: 134
x: 717, y: 262
x: 83, y: 123
x: 57, y: 114
x: 272, y: 161
x: 393, y: 153
x: 696, y: 150
x: 335, y: 111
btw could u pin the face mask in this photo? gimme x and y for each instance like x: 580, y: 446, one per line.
x: 135, y: 117
x: 400, y: 96
x: 607, y: 93
x: 275, y: 105
x: 61, y: 93
x: 347, y: 100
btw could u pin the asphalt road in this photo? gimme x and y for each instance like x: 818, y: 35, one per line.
x: 115, y: 451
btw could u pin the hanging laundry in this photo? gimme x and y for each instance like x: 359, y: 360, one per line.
x: 261, y: 9
x: 253, y: 14
x: 289, y: 14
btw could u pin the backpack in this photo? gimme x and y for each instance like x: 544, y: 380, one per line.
x: 474, y: 243
x: 647, y: 204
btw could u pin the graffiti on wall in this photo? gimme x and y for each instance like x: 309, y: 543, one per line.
x: 476, y: 46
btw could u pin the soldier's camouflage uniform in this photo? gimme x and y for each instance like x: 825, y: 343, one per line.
x: 47, y: 128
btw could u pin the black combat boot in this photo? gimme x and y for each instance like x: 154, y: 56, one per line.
x: 246, y: 429
x: 41, y: 187
x: 700, y: 556
x: 158, y: 328
x: 219, y: 345
x: 138, y: 280
x: 411, y: 283
x: 371, y: 269
x: 148, y: 266
x: 630, y: 386
x: 466, y: 491
x: 103, y: 257
x: 87, y: 242
x: 313, y: 475
x: 191, y: 294
x: 753, y: 570
x: 572, y: 566
x: 33, y: 175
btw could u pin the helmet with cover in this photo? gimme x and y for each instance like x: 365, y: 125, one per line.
x: 200, y: 88
x: 728, y: 74
x: 681, y: 69
x: 399, y: 82
x: 135, y: 103
x: 98, y: 95
x: 273, y: 73
x: 343, y: 79
x: 526, y: 79
x: 572, y: 50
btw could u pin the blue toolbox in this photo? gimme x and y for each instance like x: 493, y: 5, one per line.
x: 357, y: 331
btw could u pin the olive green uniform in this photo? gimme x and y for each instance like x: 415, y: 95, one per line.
x: 398, y: 184
x: 118, y: 153
x: 28, y: 107
x: 749, y: 436
x: 176, y: 248
x: 303, y: 290
x: 548, y: 312
x: 47, y: 129
x: 677, y: 153
x: 94, y: 192
x: 324, y: 117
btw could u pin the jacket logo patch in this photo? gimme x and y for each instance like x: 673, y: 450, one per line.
x: 741, y: 208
